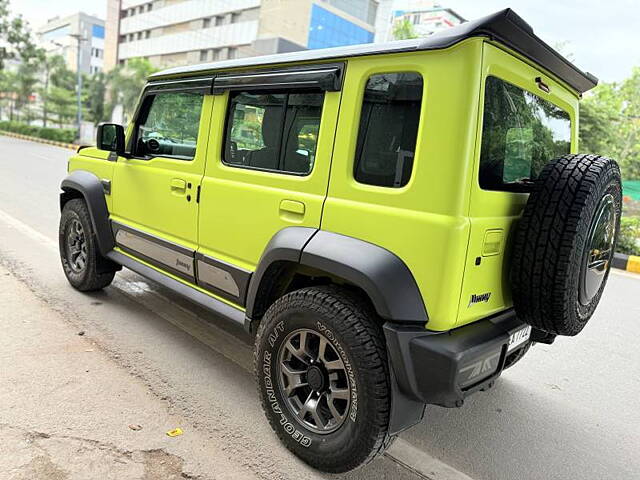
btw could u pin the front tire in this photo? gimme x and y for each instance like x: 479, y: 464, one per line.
x: 321, y: 368
x: 78, y: 249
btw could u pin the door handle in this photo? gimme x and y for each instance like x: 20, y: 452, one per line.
x: 292, y: 206
x: 178, y: 185
x: 292, y: 210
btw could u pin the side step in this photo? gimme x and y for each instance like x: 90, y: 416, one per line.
x: 206, y: 301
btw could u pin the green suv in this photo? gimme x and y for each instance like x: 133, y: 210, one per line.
x: 395, y: 224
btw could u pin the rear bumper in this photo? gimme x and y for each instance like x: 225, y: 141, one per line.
x: 442, y: 368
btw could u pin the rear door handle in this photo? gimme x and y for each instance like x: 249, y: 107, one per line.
x: 178, y: 185
x: 292, y: 210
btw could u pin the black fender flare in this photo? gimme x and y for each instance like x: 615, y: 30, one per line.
x: 284, y: 246
x: 91, y: 189
x: 383, y: 276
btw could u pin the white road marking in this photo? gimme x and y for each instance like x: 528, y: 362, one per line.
x: 401, y: 451
x: 28, y: 231
x: 41, y: 157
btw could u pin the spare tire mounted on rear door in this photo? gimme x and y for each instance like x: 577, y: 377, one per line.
x: 565, y: 241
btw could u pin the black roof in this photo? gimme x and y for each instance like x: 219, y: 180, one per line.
x: 505, y: 27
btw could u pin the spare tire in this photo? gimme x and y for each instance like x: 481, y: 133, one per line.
x: 565, y: 241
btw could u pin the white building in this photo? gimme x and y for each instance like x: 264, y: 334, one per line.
x: 426, y: 16
x: 60, y: 36
x: 180, y: 32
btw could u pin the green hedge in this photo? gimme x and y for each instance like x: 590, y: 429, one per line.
x: 65, y: 135
x: 629, y: 236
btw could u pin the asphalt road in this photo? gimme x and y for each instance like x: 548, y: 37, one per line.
x: 567, y: 411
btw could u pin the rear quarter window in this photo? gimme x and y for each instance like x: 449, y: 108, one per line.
x: 388, y: 129
x: 521, y: 133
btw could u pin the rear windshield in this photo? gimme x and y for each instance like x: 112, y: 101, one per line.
x: 520, y: 134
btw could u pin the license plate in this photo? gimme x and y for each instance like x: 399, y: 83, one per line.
x: 519, y: 337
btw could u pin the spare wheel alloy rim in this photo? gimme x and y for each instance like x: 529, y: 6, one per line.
x: 599, y: 249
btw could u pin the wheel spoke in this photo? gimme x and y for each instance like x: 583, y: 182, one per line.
x: 322, y: 356
x: 339, y: 393
x: 332, y: 408
x: 311, y: 407
x: 322, y: 349
x: 81, y: 261
x: 334, y: 365
x: 301, y: 352
x: 294, y: 379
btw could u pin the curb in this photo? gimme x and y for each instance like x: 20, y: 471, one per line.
x: 71, y: 146
x: 630, y: 263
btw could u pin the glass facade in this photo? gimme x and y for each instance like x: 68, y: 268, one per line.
x: 364, y: 10
x: 57, y: 33
x: 329, y: 30
x: 97, y: 31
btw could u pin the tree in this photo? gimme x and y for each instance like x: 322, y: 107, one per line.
x: 50, y: 64
x: 8, y: 92
x: 610, y: 123
x: 403, y: 30
x: 16, y: 41
x: 62, y: 104
x: 126, y: 84
x: 94, y: 97
x: 27, y: 79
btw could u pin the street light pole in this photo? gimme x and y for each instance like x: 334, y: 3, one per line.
x: 79, y: 38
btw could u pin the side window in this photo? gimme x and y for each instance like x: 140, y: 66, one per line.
x: 520, y: 134
x: 170, y: 126
x: 273, y: 131
x: 388, y: 129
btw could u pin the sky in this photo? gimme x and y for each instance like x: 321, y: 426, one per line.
x: 603, y: 37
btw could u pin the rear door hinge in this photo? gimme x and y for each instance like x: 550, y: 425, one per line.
x: 198, y: 194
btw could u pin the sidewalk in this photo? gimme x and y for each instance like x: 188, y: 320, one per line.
x: 66, y: 409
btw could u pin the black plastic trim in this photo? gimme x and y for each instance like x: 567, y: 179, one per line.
x: 240, y: 276
x: 209, y: 303
x: 322, y: 77
x: 380, y: 273
x: 504, y: 27
x: 159, y: 241
x: 286, y: 245
x: 437, y: 367
x: 92, y: 190
x: 193, y: 85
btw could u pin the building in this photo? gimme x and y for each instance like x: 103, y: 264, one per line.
x: 426, y: 17
x: 60, y: 36
x: 178, y: 32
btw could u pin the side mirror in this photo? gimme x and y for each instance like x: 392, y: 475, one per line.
x: 110, y: 137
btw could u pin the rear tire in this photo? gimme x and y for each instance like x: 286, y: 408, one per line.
x: 78, y: 249
x: 565, y: 241
x: 354, y: 429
